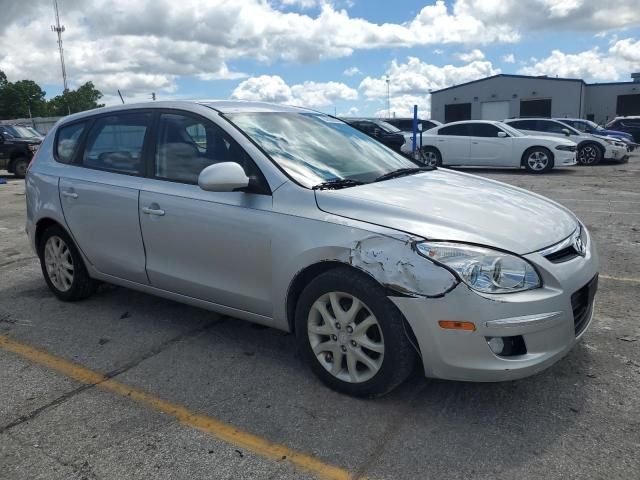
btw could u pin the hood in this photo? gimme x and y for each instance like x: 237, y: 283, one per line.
x: 616, y: 133
x: 446, y: 205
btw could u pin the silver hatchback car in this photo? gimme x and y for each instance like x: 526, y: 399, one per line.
x: 293, y: 219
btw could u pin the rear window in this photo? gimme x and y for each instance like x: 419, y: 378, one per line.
x: 68, y: 140
x: 115, y: 143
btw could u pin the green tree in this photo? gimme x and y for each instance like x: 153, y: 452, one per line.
x: 83, y: 98
x: 20, y: 98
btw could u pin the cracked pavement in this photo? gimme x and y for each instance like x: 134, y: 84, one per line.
x: 578, y: 419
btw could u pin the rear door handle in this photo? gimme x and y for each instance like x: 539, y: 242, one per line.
x: 70, y: 194
x: 153, y: 211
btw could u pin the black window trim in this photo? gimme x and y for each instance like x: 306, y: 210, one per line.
x: 264, y: 187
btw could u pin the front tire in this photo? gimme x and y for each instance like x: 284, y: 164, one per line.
x: 63, y: 267
x: 589, y: 154
x: 351, y: 335
x: 537, y: 160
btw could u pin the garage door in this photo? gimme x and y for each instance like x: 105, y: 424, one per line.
x: 495, y: 110
x: 454, y: 112
x: 628, y: 105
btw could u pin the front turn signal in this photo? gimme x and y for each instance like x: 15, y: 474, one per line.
x: 455, y: 325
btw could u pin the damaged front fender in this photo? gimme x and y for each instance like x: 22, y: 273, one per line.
x: 395, y: 263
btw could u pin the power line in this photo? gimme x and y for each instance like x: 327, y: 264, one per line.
x: 59, y: 29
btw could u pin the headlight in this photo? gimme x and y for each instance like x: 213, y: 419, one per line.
x: 568, y: 148
x: 483, y: 269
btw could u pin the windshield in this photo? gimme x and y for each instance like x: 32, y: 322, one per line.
x: 387, y: 126
x: 593, y: 125
x: 21, y: 131
x: 314, y: 148
x: 511, y: 131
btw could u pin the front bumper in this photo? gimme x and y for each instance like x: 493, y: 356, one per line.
x: 544, y: 317
x: 563, y: 158
x: 618, y: 154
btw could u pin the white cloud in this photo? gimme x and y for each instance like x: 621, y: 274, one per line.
x: 351, y: 71
x: 352, y: 112
x: 509, y: 58
x: 471, y: 56
x: 622, y: 58
x: 272, y: 88
x: 411, y: 82
x: 586, y: 15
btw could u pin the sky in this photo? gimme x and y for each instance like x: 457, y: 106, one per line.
x: 330, y: 55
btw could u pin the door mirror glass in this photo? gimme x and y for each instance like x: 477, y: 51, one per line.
x: 566, y: 131
x: 223, y: 177
x: 502, y: 134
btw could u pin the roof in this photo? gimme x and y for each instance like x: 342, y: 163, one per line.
x: 506, y: 75
x: 234, y: 106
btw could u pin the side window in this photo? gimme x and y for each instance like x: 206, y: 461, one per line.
x: 524, y: 124
x: 461, y: 130
x: 367, y: 127
x: 579, y: 126
x: 484, y: 130
x: 552, y: 127
x: 67, y: 141
x: 115, y: 143
x: 186, y: 145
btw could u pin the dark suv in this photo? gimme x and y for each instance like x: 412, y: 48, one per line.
x: 406, y: 124
x: 382, y: 131
x: 16, y: 151
x: 626, y: 124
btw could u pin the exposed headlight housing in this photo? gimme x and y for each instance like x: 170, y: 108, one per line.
x: 483, y: 269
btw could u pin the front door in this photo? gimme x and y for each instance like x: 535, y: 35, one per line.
x: 487, y: 148
x: 213, y: 246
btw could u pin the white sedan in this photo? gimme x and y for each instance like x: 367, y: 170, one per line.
x: 494, y: 144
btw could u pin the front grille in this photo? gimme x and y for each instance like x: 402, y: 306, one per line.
x: 582, y: 305
x: 563, y: 255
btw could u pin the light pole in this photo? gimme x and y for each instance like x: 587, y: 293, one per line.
x: 388, y: 99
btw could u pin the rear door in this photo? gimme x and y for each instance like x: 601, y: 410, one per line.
x: 213, y: 246
x: 99, y: 191
x: 487, y: 148
x: 454, y: 143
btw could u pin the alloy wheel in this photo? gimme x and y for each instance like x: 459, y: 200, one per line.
x: 429, y: 158
x: 538, y: 161
x: 345, y: 337
x: 59, y: 263
x: 588, y: 155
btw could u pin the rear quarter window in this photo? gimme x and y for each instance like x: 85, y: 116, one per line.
x: 68, y: 141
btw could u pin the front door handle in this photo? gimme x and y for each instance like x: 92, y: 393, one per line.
x: 70, y: 194
x: 153, y: 211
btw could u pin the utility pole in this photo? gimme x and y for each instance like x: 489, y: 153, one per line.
x: 388, y: 99
x: 59, y: 29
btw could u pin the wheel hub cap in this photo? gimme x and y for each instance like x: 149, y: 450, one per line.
x: 354, y: 352
x: 59, y: 263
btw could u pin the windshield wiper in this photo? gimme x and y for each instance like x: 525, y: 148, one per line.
x: 402, y: 172
x: 337, y: 183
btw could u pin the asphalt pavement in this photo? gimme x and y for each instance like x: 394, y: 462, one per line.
x: 129, y: 386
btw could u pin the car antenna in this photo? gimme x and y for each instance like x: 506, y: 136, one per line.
x: 121, y: 96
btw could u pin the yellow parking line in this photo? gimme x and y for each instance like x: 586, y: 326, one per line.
x: 217, y: 428
x: 620, y: 279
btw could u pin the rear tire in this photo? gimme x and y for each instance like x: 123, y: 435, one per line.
x: 345, y: 316
x: 589, y: 154
x: 430, y: 157
x: 20, y: 166
x: 537, y: 160
x: 63, y: 267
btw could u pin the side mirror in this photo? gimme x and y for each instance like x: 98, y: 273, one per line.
x: 223, y: 177
x: 502, y: 134
x: 377, y: 132
x: 566, y: 131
